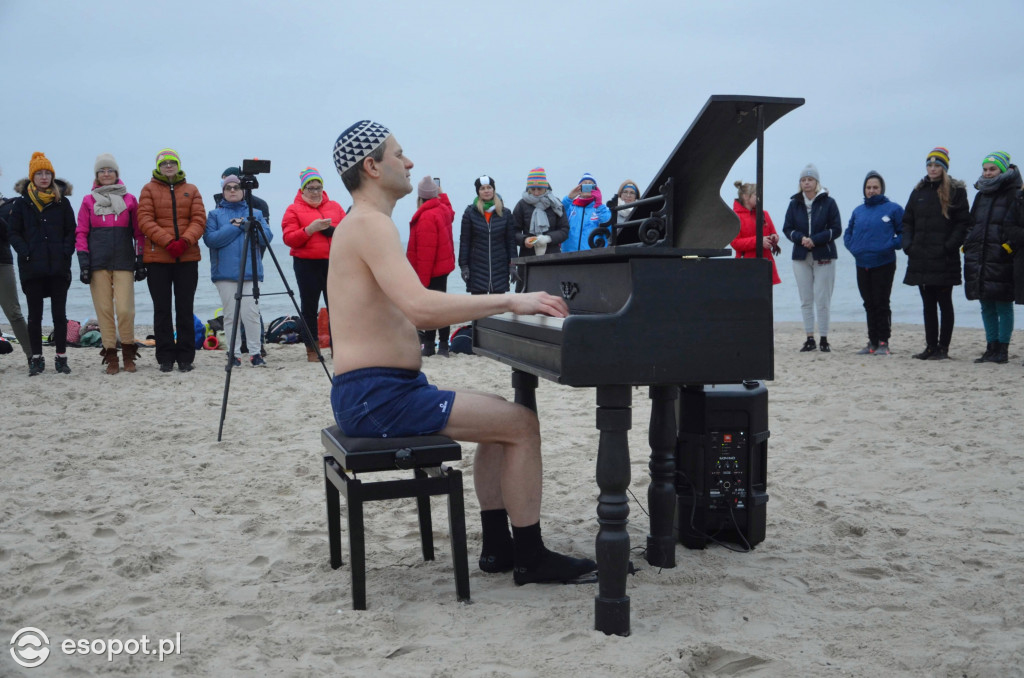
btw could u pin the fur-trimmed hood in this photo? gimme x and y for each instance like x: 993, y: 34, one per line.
x: 64, y: 187
x: 957, y: 183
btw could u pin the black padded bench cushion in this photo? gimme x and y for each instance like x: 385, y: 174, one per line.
x: 382, y: 454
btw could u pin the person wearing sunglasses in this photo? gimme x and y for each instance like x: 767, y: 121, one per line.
x: 225, y: 236
x: 308, y: 226
x: 109, y: 244
x: 172, y: 218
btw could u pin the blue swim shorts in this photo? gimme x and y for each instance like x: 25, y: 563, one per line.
x: 386, y: 402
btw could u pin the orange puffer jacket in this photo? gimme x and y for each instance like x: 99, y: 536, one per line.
x: 168, y: 211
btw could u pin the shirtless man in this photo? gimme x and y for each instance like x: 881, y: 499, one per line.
x: 377, y: 304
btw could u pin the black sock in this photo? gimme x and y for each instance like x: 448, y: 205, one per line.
x: 496, y: 537
x: 529, y: 546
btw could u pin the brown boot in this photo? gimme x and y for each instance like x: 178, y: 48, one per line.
x: 311, y: 355
x: 129, y: 352
x: 110, y: 360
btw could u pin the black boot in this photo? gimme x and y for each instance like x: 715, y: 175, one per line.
x: 987, y: 355
x: 941, y: 353
x: 442, y: 349
x: 927, y: 353
x: 36, y: 366
x: 809, y: 345
x: 1001, y: 353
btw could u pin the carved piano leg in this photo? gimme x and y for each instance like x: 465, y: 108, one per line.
x: 661, y: 493
x: 611, y: 607
x: 525, y: 385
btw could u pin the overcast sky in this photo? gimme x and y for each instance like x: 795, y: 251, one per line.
x: 500, y: 87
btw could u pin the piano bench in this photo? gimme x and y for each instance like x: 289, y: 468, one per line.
x: 424, y: 456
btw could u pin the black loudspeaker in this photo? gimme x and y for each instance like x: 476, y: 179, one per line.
x: 721, y: 464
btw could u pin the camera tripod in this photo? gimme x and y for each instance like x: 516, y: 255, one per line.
x: 254, y: 244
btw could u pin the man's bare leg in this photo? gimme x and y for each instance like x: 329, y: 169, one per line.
x: 507, y: 473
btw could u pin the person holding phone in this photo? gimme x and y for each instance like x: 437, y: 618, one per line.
x: 585, y: 211
x: 307, y: 228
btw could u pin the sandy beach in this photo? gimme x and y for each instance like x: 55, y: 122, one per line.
x: 893, y: 532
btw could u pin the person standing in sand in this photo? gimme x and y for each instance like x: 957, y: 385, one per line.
x: 935, y: 222
x: 378, y: 303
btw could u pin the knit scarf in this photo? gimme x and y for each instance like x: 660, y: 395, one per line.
x: 583, y: 199
x: 178, y: 178
x: 539, y: 222
x: 109, y: 199
x: 41, y: 198
x: 487, y: 206
x: 996, y: 183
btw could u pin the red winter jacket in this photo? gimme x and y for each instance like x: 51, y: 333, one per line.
x: 745, y: 244
x: 301, y: 214
x: 431, y: 250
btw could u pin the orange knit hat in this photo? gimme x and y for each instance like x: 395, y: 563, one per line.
x: 38, y: 162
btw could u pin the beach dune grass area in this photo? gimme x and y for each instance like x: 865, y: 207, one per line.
x: 893, y: 529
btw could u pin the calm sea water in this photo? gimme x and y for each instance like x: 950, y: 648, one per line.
x: 846, y: 302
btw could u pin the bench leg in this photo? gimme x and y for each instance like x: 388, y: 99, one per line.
x: 426, y: 525
x: 357, y: 544
x: 457, y: 530
x: 333, y: 516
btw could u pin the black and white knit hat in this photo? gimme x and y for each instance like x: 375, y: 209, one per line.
x: 357, y: 142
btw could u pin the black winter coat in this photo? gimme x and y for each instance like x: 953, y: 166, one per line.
x: 558, y: 228
x: 6, y: 206
x: 487, y: 248
x: 825, y: 226
x: 1013, y: 228
x: 988, y: 267
x: 931, y: 241
x: 44, y: 240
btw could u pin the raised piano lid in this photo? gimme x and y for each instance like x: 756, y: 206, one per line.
x: 700, y: 164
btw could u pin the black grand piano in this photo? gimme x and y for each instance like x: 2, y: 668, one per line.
x: 663, y: 305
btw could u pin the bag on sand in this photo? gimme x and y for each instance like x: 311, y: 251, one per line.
x: 462, y: 340
x: 283, y: 330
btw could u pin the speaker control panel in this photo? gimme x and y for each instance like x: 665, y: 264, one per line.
x: 726, y: 466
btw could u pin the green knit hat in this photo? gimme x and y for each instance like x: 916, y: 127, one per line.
x: 1000, y: 159
x: 167, y: 154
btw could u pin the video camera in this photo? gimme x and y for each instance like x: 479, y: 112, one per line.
x: 250, y: 168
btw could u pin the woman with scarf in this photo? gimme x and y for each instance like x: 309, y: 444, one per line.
x: 813, y: 225
x: 487, y: 241
x: 42, y: 232
x: 988, y: 261
x: 431, y: 251
x: 109, y: 243
x: 585, y: 213
x: 745, y: 242
x: 172, y: 219
x: 628, y: 192
x: 873, y: 235
x: 225, y: 236
x: 307, y: 228
x: 539, y: 219
x: 935, y: 222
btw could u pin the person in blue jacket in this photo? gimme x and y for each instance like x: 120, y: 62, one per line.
x: 586, y: 212
x: 813, y: 225
x: 225, y: 236
x: 873, y: 235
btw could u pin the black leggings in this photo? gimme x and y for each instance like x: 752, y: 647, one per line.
x: 311, y: 279
x: 37, y: 289
x: 937, y: 299
x: 875, y: 285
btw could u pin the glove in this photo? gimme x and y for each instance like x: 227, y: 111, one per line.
x: 140, y: 269
x: 465, y: 274
x: 176, y: 247
x: 85, y: 275
x: 596, y: 192
x: 84, y: 264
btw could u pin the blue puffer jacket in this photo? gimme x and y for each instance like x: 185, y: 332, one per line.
x: 583, y: 220
x: 875, y: 232
x: 226, y: 241
x: 824, y: 228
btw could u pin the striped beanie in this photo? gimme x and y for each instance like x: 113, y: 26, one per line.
x: 167, y: 154
x: 939, y: 155
x: 587, y: 177
x: 537, y: 178
x: 1000, y: 159
x: 309, y: 174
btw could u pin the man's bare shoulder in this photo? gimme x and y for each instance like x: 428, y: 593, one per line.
x: 360, y: 221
